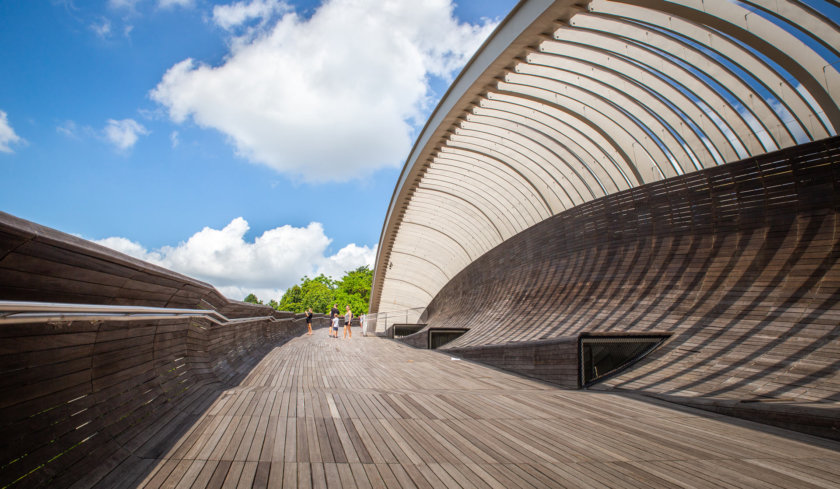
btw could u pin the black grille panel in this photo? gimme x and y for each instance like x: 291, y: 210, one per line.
x: 603, y: 356
x: 439, y: 337
x: 402, y: 330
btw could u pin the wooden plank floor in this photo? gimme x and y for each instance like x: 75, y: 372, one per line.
x: 371, y: 413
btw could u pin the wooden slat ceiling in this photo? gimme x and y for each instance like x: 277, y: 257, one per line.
x: 571, y: 101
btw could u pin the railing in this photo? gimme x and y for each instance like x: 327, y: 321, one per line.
x: 87, y: 388
x: 17, y: 312
x: 379, y: 323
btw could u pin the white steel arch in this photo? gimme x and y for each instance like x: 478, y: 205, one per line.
x: 569, y: 101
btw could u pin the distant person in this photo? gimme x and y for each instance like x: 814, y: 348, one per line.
x: 309, y: 319
x: 334, y: 314
x: 335, y: 326
x: 348, y: 318
x: 363, y: 324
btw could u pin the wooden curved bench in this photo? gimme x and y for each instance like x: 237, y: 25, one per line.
x: 86, y: 402
x: 738, y: 264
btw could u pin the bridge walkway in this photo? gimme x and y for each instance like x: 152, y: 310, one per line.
x: 371, y: 413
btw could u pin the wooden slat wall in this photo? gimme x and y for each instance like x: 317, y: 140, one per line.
x: 80, y: 398
x: 554, y: 360
x: 83, y: 397
x: 739, y: 263
x: 42, y: 264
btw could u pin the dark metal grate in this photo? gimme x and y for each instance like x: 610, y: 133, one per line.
x: 439, y: 337
x: 601, y: 357
x: 401, y: 330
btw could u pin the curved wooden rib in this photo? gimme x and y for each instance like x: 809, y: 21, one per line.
x: 569, y: 102
x: 740, y: 264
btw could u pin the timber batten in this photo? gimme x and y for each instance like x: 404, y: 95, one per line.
x: 82, y: 399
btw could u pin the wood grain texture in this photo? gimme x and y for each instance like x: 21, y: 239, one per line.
x: 372, y: 413
x: 83, y: 399
x: 45, y: 265
x: 739, y: 263
x: 80, y: 399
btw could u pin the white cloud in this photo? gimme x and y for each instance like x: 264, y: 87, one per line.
x: 348, y: 258
x: 267, y: 266
x: 331, y: 97
x: 131, y: 5
x: 230, y: 16
x: 175, y: 3
x: 173, y: 137
x: 69, y: 129
x: 102, y: 29
x: 7, y: 134
x: 126, y: 4
x: 124, y: 134
x: 124, y: 245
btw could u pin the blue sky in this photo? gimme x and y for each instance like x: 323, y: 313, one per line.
x: 242, y: 143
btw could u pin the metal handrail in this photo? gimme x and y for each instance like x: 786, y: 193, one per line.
x: 18, y: 312
x: 380, y: 321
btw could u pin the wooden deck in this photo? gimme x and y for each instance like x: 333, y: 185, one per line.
x: 371, y: 413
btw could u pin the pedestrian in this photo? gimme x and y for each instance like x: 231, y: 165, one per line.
x: 348, y: 317
x: 309, y: 319
x: 335, y: 326
x: 334, y: 314
x: 363, y: 324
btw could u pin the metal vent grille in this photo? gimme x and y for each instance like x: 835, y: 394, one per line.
x: 439, y: 337
x: 402, y: 330
x: 601, y: 357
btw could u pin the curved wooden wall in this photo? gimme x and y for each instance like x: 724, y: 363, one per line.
x: 739, y: 263
x: 41, y: 264
x: 91, y: 403
x: 569, y: 101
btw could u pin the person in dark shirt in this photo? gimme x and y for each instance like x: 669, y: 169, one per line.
x: 309, y: 320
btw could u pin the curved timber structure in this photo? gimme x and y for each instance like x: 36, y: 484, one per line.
x: 636, y: 167
x: 641, y: 197
x: 93, y: 394
x: 137, y: 377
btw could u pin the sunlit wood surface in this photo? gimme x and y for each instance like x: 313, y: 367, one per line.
x: 370, y: 413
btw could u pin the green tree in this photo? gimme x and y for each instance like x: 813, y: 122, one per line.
x: 357, y: 305
x: 321, y: 292
x: 252, y: 299
x: 318, y: 295
x: 357, y: 282
x: 291, y: 300
x: 354, y: 290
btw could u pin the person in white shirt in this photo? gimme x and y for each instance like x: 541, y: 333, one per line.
x: 335, y: 326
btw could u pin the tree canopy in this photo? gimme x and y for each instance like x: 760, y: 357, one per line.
x: 321, y: 292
